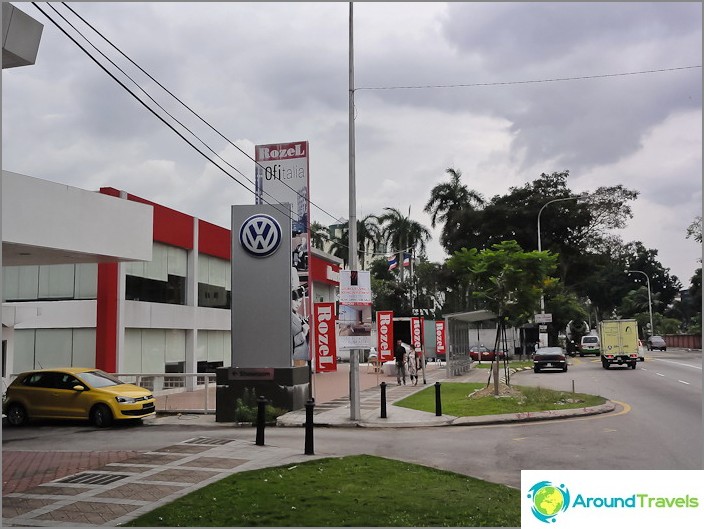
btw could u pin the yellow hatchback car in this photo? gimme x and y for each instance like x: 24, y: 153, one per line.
x: 75, y: 393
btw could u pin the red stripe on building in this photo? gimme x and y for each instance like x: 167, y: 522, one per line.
x: 106, y: 318
x: 214, y: 240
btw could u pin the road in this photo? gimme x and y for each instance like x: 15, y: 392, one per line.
x: 657, y: 425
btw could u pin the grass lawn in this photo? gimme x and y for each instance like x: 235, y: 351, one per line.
x: 455, y: 401
x: 358, y: 491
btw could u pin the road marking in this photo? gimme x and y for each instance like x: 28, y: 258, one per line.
x: 683, y: 382
x: 660, y: 374
x: 609, y: 430
x: 678, y: 363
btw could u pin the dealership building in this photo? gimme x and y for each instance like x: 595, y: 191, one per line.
x: 114, y: 281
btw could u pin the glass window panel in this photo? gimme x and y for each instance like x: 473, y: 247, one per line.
x: 202, y: 346
x: 217, y: 272
x: 53, y: 348
x: 86, y: 281
x: 10, y: 283
x: 215, y: 346
x: 175, y: 345
x: 153, y: 350
x: 203, y: 268
x: 56, y: 281
x: 83, y: 348
x: 177, y: 261
x: 135, y: 268
x: 29, y: 282
x: 227, y: 353
x: 23, y: 359
x: 157, y: 267
x: 133, y: 351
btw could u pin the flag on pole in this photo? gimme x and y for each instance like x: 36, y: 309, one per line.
x: 406, y: 259
x: 393, y: 262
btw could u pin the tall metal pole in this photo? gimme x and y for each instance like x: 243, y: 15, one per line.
x: 354, y: 358
x: 650, y: 303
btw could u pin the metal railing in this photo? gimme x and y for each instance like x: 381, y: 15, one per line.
x: 177, y: 392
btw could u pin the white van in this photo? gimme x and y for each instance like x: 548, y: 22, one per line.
x: 589, y: 345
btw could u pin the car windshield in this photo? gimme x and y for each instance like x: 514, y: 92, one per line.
x: 590, y: 339
x: 99, y: 379
x: 549, y: 351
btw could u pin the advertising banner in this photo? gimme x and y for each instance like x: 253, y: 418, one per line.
x: 440, y: 343
x: 282, y: 180
x: 355, y: 287
x: 385, y: 335
x: 417, y: 333
x: 325, y: 349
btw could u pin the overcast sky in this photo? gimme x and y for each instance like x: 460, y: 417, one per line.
x: 278, y: 72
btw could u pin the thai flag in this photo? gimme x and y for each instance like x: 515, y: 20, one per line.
x: 406, y: 259
x: 393, y: 262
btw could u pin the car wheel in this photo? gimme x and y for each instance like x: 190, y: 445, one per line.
x: 564, y: 369
x: 536, y: 369
x: 605, y: 365
x: 633, y: 365
x: 17, y: 415
x: 101, y: 416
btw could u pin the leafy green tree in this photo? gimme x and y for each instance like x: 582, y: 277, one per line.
x: 508, y: 280
x: 339, y: 246
x: 368, y: 238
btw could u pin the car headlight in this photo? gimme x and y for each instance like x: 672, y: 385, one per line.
x: 126, y: 400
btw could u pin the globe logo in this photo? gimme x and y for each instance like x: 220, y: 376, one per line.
x: 548, y: 500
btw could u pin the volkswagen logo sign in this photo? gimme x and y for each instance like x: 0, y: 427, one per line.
x: 260, y: 235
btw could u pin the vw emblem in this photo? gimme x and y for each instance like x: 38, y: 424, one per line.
x: 260, y: 235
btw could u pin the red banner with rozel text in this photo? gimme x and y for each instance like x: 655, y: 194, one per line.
x: 385, y: 335
x: 417, y: 333
x: 440, y: 340
x: 325, y: 345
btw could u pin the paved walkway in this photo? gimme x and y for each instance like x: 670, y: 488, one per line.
x: 88, y: 489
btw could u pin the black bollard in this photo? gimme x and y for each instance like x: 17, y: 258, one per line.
x: 261, y: 419
x: 310, y: 404
x: 383, y: 400
x: 438, y: 404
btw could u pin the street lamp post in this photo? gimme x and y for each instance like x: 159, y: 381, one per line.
x: 650, y: 303
x: 543, y: 336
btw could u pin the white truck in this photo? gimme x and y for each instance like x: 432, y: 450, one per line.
x: 619, y: 343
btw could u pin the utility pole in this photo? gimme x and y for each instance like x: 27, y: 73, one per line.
x: 354, y: 353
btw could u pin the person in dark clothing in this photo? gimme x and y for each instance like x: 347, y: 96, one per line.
x: 400, y: 358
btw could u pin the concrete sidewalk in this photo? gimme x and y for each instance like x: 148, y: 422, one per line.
x: 89, y: 489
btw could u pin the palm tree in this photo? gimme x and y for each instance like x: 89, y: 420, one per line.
x: 339, y: 246
x: 402, y: 233
x: 368, y: 237
x: 318, y: 235
x: 449, y: 200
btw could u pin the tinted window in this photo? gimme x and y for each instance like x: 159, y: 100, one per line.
x: 590, y: 339
x: 99, y: 379
x: 42, y: 380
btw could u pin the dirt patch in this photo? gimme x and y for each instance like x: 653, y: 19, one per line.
x: 504, y: 391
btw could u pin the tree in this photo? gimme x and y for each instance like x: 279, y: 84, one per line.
x: 449, y: 199
x: 339, y: 246
x: 402, y: 234
x: 695, y: 229
x: 318, y: 235
x: 508, y: 280
x: 368, y: 237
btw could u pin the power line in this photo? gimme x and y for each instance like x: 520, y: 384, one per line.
x: 502, y: 83
x: 189, y: 108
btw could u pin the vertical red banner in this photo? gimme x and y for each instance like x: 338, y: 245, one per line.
x: 385, y: 335
x: 417, y: 332
x: 325, y: 345
x: 440, y: 339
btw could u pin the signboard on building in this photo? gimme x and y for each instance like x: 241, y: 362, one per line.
x: 417, y: 332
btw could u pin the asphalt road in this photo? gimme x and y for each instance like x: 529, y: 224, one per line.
x: 657, y: 425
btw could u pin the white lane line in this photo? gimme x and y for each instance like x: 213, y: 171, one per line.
x: 677, y: 363
x: 660, y: 374
x: 683, y: 382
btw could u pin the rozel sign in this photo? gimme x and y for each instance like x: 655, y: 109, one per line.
x: 260, y: 235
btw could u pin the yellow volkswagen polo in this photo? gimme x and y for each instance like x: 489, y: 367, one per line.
x: 75, y: 393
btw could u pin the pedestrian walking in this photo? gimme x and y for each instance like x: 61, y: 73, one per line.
x: 411, y: 362
x: 400, y: 358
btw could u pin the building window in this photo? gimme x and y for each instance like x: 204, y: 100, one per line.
x: 214, y: 280
x: 161, y: 280
x: 50, y: 282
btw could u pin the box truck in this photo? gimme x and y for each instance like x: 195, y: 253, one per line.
x: 619, y: 343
